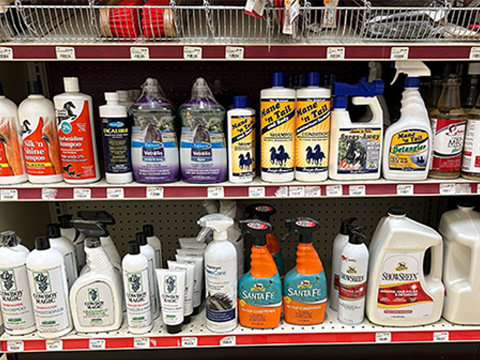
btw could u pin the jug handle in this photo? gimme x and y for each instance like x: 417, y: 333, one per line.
x: 436, y: 266
x: 373, y: 104
x: 474, y: 278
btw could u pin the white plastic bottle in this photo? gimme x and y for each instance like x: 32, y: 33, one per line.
x: 155, y: 243
x: 116, y: 135
x: 12, y: 164
x: 312, y: 131
x: 148, y: 251
x: 241, y: 141
x: 277, y: 131
x: 221, y: 281
x: 47, y: 279
x: 137, y: 293
x: 66, y: 248
x: 76, y: 132
x: 408, y: 142
x: 398, y: 292
x: 15, y: 299
x: 353, y: 279
x: 338, y: 244
x: 96, y: 297
x: 123, y: 99
x: 39, y: 137
x: 76, y: 238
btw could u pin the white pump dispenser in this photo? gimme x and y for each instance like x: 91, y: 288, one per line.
x: 221, y: 279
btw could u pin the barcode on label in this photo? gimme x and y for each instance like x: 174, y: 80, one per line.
x: 312, y: 191
x: 234, y: 53
x: 192, y: 53
x: 399, y: 53
x: 139, y: 53
x: 228, y: 341
x: 96, y: 344
x: 65, y: 53
x: 14, y: 345
x: 115, y: 193
x: 334, y: 190
x: 9, y: 194
x: 49, y: 194
x: 383, y: 337
x: 296, y: 191
x: 475, y: 53
x: 441, y: 336
x: 447, y: 189
x: 154, y: 192
x: 189, y: 341
x: 53, y: 345
x: 335, y: 53
x: 215, y: 192
x: 356, y: 190
x: 82, y: 193
x: 141, y: 343
x: 405, y: 189
x: 256, y: 192
x: 6, y: 53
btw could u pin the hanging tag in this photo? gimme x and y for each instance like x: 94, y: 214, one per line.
x: 329, y: 18
x: 255, y: 8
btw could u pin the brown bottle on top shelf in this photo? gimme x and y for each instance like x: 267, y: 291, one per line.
x: 471, y: 149
x: 433, y: 94
x: 448, y: 125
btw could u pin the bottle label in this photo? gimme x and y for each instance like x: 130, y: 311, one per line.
x: 137, y: 299
x: 116, y: 145
x: 359, y: 151
x: 75, y: 134
x: 401, y: 294
x: 277, y: 123
x: 15, y: 300
x: 471, y: 151
x: 41, y: 147
x: 221, y: 287
x: 409, y: 151
x: 70, y: 268
x: 154, y: 147
x: 11, y: 158
x: 243, y: 146
x: 49, y: 297
x: 351, y: 292
x: 171, y: 299
x: 447, y: 144
x: 312, y: 135
x: 95, y: 305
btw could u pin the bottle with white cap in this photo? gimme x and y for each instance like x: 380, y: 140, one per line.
x: 76, y: 132
x: 116, y: 135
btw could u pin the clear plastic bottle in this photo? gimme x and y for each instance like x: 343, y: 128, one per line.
x: 471, y: 151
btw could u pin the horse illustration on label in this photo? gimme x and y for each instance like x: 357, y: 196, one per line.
x: 279, y: 157
x: 315, y: 155
x: 245, y: 161
x: 202, y: 147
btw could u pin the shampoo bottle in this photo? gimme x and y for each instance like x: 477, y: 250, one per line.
x: 155, y: 243
x: 305, y: 286
x: 260, y: 290
x: 15, y: 299
x: 47, y: 279
x: 76, y: 237
x: 147, y: 251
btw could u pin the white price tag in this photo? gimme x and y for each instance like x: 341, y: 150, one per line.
x: 82, y: 193
x: 312, y: 191
x: 115, y: 193
x: 14, y: 345
x: 215, y: 192
x: 356, y: 190
x: 447, y: 189
x: 49, y: 194
x: 234, y: 53
x: 399, y: 53
x: 475, y: 53
x: 154, y: 192
x: 296, y: 191
x: 53, y: 345
x: 189, y: 341
x: 255, y: 7
x: 9, y: 194
x: 65, y: 53
x: 335, y: 53
x: 141, y: 343
x: 335, y: 190
x: 96, y: 344
x: 441, y: 336
x: 463, y: 189
x: 383, y: 337
x: 6, y: 53
x: 405, y: 189
x: 228, y: 341
x: 192, y: 53
x: 256, y: 192
x: 282, y: 191
x: 139, y: 53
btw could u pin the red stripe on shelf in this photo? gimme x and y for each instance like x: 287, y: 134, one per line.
x: 185, y: 192
x: 381, y: 189
x: 426, y: 189
x: 236, y: 191
x: 135, y: 192
x: 75, y: 344
x: 29, y: 194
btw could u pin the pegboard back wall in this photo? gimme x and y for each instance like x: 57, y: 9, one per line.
x: 174, y: 219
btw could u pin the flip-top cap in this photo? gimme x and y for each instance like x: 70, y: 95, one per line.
x: 133, y: 247
x: 313, y: 79
x: 240, y: 102
x: 278, y: 79
x: 70, y: 84
x: 53, y: 231
x: 148, y: 230
x: 35, y: 88
x: 141, y: 238
x: 65, y: 221
x: 42, y: 242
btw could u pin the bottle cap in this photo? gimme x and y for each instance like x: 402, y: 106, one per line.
x: 111, y: 97
x: 259, y: 230
x: 397, y: 212
x: 174, y: 329
x: 474, y: 68
x: 302, y: 81
x: 356, y: 236
x: 240, y: 102
x: 53, y: 231
x: 133, y: 248
x: 122, y: 95
x: 340, y: 102
x: 42, y: 242
x: 262, y: 211
x: 70, y: 84
x: 148, y: 230
x: 465, y: 205
x: 313, y: 79
x: 65, y: 221
x: 93, y: 242
x: 9, y: 238
x: 34, y: 88
x: 141, y: 238
x: 278, y: 79
x: 412, y: 82
x: 347, y: 226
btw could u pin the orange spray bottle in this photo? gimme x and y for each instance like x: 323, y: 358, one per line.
x: 305, y: 286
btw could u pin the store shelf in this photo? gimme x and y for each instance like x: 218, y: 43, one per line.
x: 257, y: 189
x: 197, y: 335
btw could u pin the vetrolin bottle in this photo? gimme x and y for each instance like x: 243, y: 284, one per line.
x: 471, y: 150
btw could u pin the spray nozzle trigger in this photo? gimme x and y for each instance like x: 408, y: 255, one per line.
x: 347, y: 225
x: 356, y: 235
x: 411, y: 68
x: 9, y: 238
x: 218, y: 223
x: 305, y: 226
x: 91, y: 228
x: 103, y: 217
x: 258, y: 229
x: 363, y: 88
x: 262, y: 211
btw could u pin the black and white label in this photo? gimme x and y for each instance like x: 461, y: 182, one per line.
x: 296, y: 191
x: 399, y: 53
x: 192, y: 53
x: 14, y: 345
x: 256, y: 192
x: 115, y: 193
x: 228, y: 341
x: 6, y: 53
x: 334, y: 190
x: 312, y: 191
x: 65, y: 53
x: 82, y: 193
x: 215, y: 192
x: 383, y: 337
x: 189, y: 341
x: 9, y: 194
x: 141, y: 343
x: 49, y: 194
x: 53, y: 345
x: 234, y: 53
x: 405, y: 189
x: 139, y: 53
x: 475, y: 53
x: 441, y: 336
x: 335, y: 53
x: 356, y: 190
x: 96, y: 344
x: 447, y: 189
x: 155, y: 192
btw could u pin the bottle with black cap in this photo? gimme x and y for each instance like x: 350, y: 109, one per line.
x: 353, y: 278
x: 76, y: 237
x: 155, y: 243
x: 41, y: 146
x: 137, y: 291
x: 47, y: 279
x: 66, y: 248
x: 147, y: 251
x: 12, y: 164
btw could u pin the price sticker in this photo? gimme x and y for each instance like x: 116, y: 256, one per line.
x: 228, y: 341
x: 256, y: 192
x: 447, y: 189
x: 189, y: 341
x: 463, y: 189
x: 96, y: 344
x: 405, y: 189
x: 115, y: 193
x: 9, y: 194
x: 296, y: 191
x: 282, y: 191
x: 335, y: 53
x: 82, y: 193
x: 399, y: 53
x: 441, y: 336
x: 6, y: 53
x: 383, y: 337
x: 215, y: 192
x: 154, y: 192
x: 192, y: 53
x: 312, y: 191
x: 139, y: 53
x: 334, y: 190
x: 141, y: 343
x: 49, y: 194
x: 15, y: 346
x: 475, y: 53
x: 65, y: 53
x: 356, y: 190
x: 53, y: 345
x: 234, y: 53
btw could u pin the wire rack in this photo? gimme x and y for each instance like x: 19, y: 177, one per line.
x: 353, y: 21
